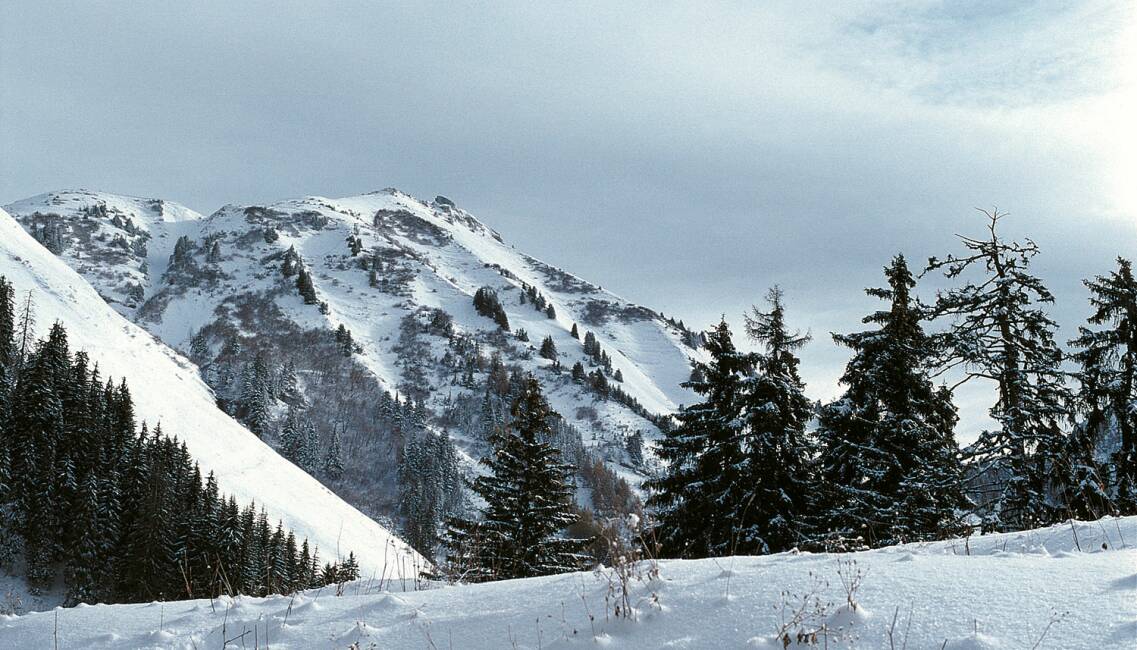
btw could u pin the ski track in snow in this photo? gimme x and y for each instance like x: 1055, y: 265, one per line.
x: 997, y: 591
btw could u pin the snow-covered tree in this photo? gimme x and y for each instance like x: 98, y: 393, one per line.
x: 487, y: 304
x: 889, y: 463
x: 1107, y: 354
x: 778, y: 471
x: 528, y: 502
x: 1001, y: 333
x: 256, y: 396
x: 701, y: 493
x: 332, y: 465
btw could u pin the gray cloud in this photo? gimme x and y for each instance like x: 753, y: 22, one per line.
x: 684, y: 157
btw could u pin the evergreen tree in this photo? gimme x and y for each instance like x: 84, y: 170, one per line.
x: 123, y: 512
x: 889, y: 462
x: 37, y: 427
x: 528, y: 501
x: 487, y: 304
x: 84, y: 557
x: 699, y: 496
x: 305, y: 286
x: 1108, y: 394
x: 291, y: 263
x: 255, y: 396
x: 1000, y: 333
x: 578, y: 373
x: 332, y: 465
x: 575, y: 332
x: 199, y: 348
x: 290, y: 384
x: 548, y: 349
x: 591, y: 345
x: 778, y: 481
x: 182, y: 257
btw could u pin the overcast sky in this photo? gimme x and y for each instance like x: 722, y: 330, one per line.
x: 684, y: 156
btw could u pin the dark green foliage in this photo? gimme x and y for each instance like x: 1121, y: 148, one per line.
x: 332, y: 464
x: 487, y: 304
x: 778, y: 474
x: 528, y: 501
x: 291, y: 263
x: 430, y: 483
x: 738, y: 475
x: 548, y: 349
x: 256, y: 396
x: 578, y: 373
x: 354, y: 244
x: 123, y: 512
x: 634, y: 445
x: 344, y: 340
x: 889, y: 462
x: 698, y: 496
x: 305, y: 286
x: 1107, y: 355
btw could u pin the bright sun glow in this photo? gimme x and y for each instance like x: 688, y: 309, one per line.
x: 1121, y: 127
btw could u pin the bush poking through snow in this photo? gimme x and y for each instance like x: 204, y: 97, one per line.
x: 633, y: 562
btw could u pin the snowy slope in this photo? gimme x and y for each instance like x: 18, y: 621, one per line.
x: 1033, y: 589
x: 167, y: 389
x: 434, y: 256
x: 113, y: 241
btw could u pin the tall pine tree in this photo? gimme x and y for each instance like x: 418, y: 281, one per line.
x: 528, y: 502
x: 778, y: 477
x: 701, y: 491
x: 889, y: 463
x: 1107, y: 355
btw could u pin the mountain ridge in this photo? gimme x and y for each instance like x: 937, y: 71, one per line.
x: 397, y: 277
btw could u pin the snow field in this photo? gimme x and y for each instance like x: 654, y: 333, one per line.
x: 1015, y: 590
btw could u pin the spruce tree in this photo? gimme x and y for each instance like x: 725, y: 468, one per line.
x: 549, y: 349
x: 889, y: 463
x: 528, y: 502
x: 1107, y: 354
x: 1000, y: 332
x: 84, y: 557
x: 700, y: 493
x: 332, y: 464
x: 305, y: 286
x: 255, y: 396
x: 778, y: 475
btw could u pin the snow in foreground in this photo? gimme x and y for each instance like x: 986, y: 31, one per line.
x: 1015, y: 590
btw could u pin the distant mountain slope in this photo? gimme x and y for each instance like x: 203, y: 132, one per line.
x: 398, y: 275
x: 107, y: 238
x: 168, y: 389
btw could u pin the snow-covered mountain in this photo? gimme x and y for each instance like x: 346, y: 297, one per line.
x: 399, y: 274
x: 1070, y: 586
x: 168, y: 389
